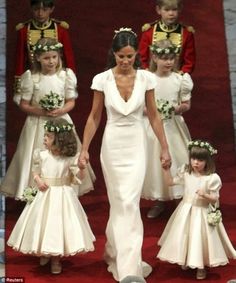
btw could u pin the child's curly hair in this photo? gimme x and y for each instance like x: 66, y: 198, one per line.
x: 65, y: 139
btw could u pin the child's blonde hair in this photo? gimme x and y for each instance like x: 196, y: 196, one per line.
x: 46, y: 44
x: 170, y: 4
x: 163, y: 49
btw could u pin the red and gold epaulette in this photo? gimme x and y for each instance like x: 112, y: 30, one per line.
x: 21, y: 25
x: 63, y: 24
x: 147, y: 26
x: 190, y: 29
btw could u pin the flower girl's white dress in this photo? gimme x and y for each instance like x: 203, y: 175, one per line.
x: 188, y: 239
x: 55, y: 222
x: 33, y: 88
x: 175, y: 89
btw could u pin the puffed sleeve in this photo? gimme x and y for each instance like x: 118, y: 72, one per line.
x: 186, y: 87
x: 151, y: 80
x: 27, y: 85
x: 214, y: 184
x: 74, y: 169
x: 98, y: 82
x: 179, y: 177
x: 36, y: 167
x: 70, y: 85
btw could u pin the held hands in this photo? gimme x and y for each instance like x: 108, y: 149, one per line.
x: 82, y: 165
x: 83, y: 159
x: 165, y: 159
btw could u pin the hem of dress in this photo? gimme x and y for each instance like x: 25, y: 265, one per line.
x: 194, y: 266
x: 34, y: 253
x: 162, y: 199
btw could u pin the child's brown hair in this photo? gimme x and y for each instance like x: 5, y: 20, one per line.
x: 202, y: 153
x: 65, y: 140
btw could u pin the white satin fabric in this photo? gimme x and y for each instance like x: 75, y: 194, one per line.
x: 54, y: 223
x: 175, y: 89
x: 195, y: 243
x: 33, y: 88
x: 123, y: 159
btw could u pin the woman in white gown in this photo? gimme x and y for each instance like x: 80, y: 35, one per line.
x: 125, y: 91
x: 46, y: 78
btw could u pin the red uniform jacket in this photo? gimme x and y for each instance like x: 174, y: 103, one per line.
x: 187, y: 56
x: 24, y: 39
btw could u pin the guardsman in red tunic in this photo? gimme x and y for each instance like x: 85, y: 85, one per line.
x: 169, y: 28
x: 28, y: 34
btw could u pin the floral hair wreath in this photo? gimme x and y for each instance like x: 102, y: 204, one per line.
x: 47, y: 47
x: 57, y: 129
x: 164, y: 51
x: 124, y: 29
x: 202, y: 144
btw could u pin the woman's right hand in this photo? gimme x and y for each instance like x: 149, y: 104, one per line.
x: 165, y: 159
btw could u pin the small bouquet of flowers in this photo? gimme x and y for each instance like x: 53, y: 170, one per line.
x: 29, y: 194
x: 165, y: 108
x: 214, y: 215
x: 50, y: 101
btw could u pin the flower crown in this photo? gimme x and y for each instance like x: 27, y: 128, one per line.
x: 124, y: 29
x: 164, y: 51
x: 46, y: 48
x: 202, y: 144
x: 57, y: 129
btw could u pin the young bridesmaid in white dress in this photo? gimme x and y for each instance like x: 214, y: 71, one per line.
x: 47, y: 77
x: 173, y: 98
x: 190, y: 239
x: 54, y: 224
x: 124, y: 90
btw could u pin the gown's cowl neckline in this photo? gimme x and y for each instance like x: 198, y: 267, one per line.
x: 118, y: 91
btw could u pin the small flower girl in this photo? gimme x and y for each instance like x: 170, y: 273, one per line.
x: 54, y: 224
x: 196, y: 240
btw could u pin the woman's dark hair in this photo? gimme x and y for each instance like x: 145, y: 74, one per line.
x: 200, y: 153
x: 65, y: 141
x: 44, y: 3
x: 121, y: 40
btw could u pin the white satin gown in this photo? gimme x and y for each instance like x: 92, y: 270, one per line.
x: 123, y: 160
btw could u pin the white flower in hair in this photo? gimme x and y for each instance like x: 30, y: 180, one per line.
x: 202, y: 144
